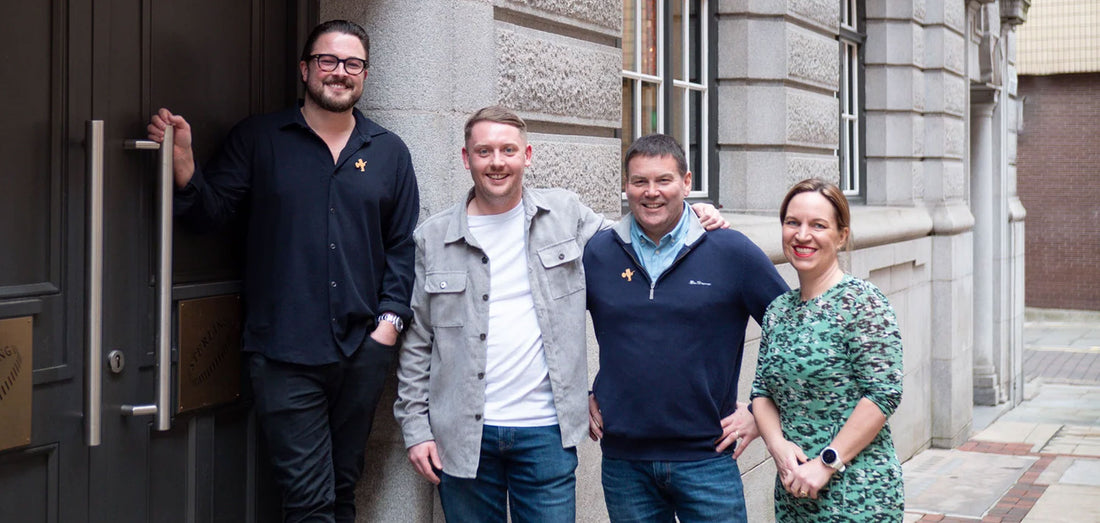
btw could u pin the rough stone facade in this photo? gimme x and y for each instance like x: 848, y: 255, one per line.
x: 939, y: 227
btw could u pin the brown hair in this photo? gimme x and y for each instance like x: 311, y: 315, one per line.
x: 498, y: 114
x: 656, y: 146
x: 832, y: 193
x: 337, y: 26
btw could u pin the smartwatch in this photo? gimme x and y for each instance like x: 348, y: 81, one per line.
x: 831, y: 458
x: 392, y: 318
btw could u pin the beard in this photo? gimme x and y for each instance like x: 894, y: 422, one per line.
x: 329, y: 103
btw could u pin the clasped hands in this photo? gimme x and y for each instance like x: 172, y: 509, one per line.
x: 801, y: 476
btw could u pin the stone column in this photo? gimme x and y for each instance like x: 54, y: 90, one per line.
x: 982, y: 101
x: 951, y: 376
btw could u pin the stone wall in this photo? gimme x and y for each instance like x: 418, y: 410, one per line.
x: 558, y: 63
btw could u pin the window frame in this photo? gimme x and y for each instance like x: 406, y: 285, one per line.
x: 852, y: 39
x: 671, y: 83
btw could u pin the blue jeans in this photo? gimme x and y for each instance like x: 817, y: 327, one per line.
x: 525, y: 467
x: 661, y: 491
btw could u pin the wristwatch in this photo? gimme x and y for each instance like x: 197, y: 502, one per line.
x: 392, y: 318
x: 831, y: 458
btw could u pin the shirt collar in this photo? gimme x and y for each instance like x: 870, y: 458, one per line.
x: 365, y: 128
x: 694, y: 227
x: 676, y: 235
x: 459, y: 227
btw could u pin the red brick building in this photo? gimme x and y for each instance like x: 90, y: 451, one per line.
x: 1058, y: 156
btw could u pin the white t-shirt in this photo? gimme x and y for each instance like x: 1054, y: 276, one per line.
x: 517, y: 381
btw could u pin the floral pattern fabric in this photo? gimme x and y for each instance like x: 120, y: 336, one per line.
x: 817, y: 360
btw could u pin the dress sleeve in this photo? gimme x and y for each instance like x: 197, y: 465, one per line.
x: 875, y: 347
x: 759, y: 387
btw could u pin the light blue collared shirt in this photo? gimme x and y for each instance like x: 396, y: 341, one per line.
x: 656, y: 258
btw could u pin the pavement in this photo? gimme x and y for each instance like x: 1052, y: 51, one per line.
x: 1038, y: 462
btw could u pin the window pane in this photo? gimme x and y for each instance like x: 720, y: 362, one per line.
x: 628, y: 109
x: 649, y: 37
x: 676, y: 129
x: 694, y: 145
x: 650, y: 121
x: 695, y: 42
x: 630, y: 40
x: 676, y: 46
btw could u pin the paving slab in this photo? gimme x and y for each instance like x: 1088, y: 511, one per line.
x: 1037, y: 434
x: 959, y: 483
x: 1082, y: 472
x: 1077, y: 440
x: 1055, y: 470
x: 1066, y: 504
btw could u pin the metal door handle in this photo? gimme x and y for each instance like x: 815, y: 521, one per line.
x: 93, y: 357
x: 164, y: 282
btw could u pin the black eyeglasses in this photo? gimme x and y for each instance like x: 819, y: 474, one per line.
x: 328, y: 63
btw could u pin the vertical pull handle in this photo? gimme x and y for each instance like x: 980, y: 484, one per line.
x: 93, y: 357
x: 164, y: 282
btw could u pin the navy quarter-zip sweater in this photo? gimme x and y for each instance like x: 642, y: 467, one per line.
x: 670, y: 350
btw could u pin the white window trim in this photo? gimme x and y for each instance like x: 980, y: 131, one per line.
x: 849, y: 95
x: 700, y: 87
x: 688, y: 87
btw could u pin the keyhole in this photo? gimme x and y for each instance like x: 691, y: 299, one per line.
x: 116, y: 361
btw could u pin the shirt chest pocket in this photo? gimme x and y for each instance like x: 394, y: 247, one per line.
x: 446, y: 291
x: 561, y: 263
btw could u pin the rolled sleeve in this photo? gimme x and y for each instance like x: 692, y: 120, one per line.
x: 876, y: 348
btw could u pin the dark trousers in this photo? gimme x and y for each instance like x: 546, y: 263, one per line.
x: 315, y: 421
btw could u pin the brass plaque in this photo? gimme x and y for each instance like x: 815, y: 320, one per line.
x: 209, y: 352
x: 16, y: 380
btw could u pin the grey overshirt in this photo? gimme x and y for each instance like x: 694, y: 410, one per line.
x: 441, y: 378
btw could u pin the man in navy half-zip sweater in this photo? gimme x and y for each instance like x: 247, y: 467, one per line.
x: 670, y: 303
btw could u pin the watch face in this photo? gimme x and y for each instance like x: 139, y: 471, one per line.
x: 828, y: 456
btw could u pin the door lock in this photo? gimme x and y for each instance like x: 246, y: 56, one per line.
x: 116, y: 361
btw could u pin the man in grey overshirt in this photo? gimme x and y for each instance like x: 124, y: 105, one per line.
x: 493, y: 382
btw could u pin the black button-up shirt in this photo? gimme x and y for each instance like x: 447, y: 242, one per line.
x: 329, y: 245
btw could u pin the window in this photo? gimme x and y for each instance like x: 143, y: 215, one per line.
x: 850, y: 151
x: 666, y: 78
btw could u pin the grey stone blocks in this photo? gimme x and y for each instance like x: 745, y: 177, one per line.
x: 563, y: 79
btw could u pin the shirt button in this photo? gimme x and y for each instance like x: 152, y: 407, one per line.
x: 333, y: 284
x: 484, y: 297
x: 482, y: 337
x: 477, y: 417
x: 484, y: 259
x: 481, y: 375
x: 334, y: 320
x: 332, y: 210
x: 332, y: 246
x: 442, y: 285
x: 561, y: 256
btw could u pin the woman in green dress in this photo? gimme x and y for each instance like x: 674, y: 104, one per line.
x: 828, y: 376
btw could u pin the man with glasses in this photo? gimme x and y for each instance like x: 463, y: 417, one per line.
x: 331, y: 201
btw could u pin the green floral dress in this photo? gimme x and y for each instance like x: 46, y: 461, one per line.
x: 817, y: 360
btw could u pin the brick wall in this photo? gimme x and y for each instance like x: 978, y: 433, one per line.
x: 1058, y: 168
